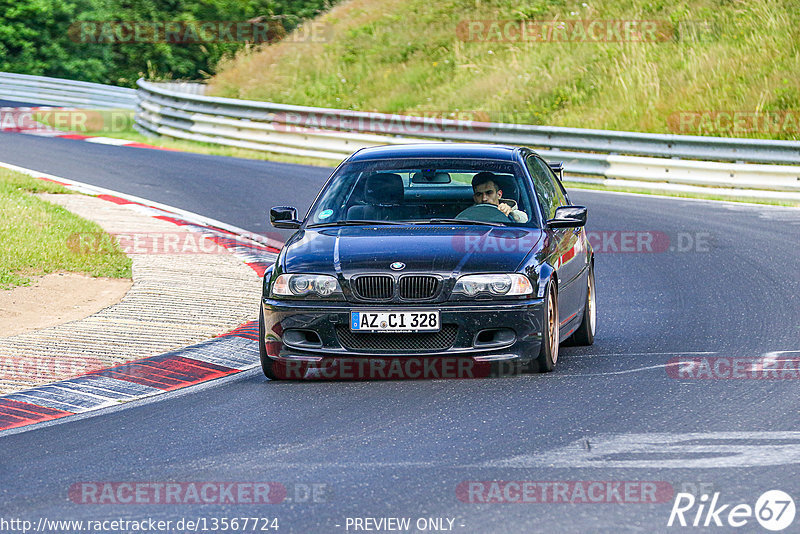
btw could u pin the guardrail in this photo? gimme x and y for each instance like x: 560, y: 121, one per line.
x: 739, y: 167
x: 64, y: 93
x: 333, y: 134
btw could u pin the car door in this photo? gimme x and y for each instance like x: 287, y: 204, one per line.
x: 568, y: 250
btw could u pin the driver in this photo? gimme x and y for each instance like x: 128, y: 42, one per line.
x: 486, y: 191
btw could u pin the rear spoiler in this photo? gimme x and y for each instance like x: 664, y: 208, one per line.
x: 558, y: 168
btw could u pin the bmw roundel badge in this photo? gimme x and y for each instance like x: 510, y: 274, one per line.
x: 398, y: 266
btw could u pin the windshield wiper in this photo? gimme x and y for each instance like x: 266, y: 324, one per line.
x: 456, y: 221
x: 356, y: 222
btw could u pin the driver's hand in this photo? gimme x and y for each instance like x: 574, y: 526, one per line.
x: 505, y: 208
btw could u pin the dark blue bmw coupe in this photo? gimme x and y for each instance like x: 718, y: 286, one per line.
x: 412, y: 252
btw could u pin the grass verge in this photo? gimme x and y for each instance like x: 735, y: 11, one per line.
x: 418, y: 56
x: 38, y: 237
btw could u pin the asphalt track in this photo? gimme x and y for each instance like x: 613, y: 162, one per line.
x: 17, y: 104
x: 610, y: 412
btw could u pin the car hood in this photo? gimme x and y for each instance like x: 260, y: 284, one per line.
x: 447, y: 250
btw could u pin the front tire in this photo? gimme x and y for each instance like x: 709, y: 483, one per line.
x: 584, y: 335
x: 548, y: 353
x: 267, y: 363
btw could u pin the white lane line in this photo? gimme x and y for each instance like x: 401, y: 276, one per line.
x: 771, y: 357
x: 626, y: 371
x: 189, y: 216
x: 673, y: 353
x: 108, y: 141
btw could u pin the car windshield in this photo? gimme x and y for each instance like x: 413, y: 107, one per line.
x: 425, y: 191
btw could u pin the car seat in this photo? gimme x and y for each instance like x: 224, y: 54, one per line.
x: 383, y: 193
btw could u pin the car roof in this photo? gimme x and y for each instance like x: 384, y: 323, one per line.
x: 436, y: 150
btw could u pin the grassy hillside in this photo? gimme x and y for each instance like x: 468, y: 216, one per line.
x: 411, y: 56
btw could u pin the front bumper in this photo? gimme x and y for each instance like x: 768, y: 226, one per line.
x: 481, y: 331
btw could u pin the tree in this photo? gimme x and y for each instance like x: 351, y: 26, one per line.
x: 45, y: 37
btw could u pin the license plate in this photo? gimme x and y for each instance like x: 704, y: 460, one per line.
x: 394, y: 321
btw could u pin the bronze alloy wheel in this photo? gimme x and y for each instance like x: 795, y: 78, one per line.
x: 584, y: 335
x: 548, y: 353
x: 553, y: 325
x: 592, y: 304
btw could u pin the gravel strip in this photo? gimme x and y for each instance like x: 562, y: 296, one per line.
x: 176, y: 300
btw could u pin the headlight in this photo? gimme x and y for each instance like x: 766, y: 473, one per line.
x: 303, y: 285
x: 493, y: 284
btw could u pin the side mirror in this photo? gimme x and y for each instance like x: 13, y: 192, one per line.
x: 568, y: 217
x: 558, y: 168
x: 284, y: 217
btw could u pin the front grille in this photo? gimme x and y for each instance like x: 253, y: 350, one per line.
x: 373, y: 287
x: 418, y: 287
x: 396, y: 342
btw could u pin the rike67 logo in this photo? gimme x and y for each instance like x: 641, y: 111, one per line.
x: 774, y: 510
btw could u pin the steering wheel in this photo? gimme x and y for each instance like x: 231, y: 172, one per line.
x: 484, y: 213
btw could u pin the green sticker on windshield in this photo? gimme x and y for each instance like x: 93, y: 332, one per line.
x: 325, y: 214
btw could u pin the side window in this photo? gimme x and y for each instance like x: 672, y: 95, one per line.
x: 560, y: 192
x: 548, y: 192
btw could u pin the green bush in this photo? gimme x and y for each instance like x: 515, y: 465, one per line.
x: 39, y: 36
